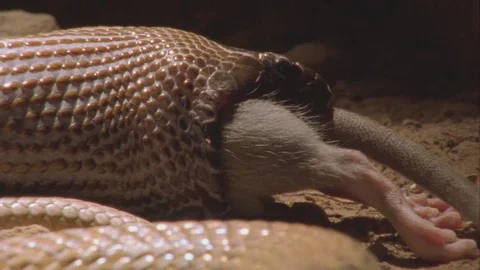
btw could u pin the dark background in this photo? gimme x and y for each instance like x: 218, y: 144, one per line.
x: 429, y: 46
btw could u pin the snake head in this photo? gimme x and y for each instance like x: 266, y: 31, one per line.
x: 271, y: 76
x: 295, y: 84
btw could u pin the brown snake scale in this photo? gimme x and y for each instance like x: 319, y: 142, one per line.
x: 110, y: 104
x: 123, y: 117
x: 188, y: 245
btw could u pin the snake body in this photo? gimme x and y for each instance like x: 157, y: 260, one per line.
x: 126, y: 117
x: 188, y: 245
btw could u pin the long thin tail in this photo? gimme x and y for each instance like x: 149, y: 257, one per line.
x: 409, y: 158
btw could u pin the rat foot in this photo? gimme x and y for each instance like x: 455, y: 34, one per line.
x: 435, y: 210
x: 432, y: 239
x: 426, y: 225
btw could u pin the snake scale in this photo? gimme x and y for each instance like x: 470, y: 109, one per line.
x: 129, y: 117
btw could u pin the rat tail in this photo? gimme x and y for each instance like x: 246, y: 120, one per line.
x: 408, y: 158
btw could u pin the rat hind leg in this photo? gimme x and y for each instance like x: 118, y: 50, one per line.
x: 426, y: 225
x: 269, y: 150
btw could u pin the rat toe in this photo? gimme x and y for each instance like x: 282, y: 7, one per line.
x: 448, y: 220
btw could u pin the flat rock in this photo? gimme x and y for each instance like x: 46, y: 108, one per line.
x: 16, y: 23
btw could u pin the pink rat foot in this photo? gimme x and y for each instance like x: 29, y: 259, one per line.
x: 434, y: 238
x: 435, y: 210
x: 426, y: 225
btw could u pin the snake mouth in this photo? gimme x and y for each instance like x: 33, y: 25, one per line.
x: 291, y: 83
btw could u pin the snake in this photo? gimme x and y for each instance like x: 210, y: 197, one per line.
x: 109, y: 140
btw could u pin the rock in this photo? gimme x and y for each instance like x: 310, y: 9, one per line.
x: 321, y: 57
x: 312, y: 54
x: 16, y: 23
x: 411, y: 123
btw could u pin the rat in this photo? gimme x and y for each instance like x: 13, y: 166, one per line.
x: 270, y: 148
